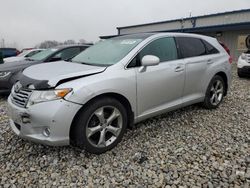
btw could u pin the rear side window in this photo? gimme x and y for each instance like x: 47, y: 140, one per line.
x: 191, y: 47
x: 164, y: 48
x: 210, y: 48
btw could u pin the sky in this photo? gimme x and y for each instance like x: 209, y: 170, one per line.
x: 26, y: 23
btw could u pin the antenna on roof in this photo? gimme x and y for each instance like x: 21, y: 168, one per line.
x: 190, y: 14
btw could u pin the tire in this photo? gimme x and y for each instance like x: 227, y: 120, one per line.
x: 248, y: 41
x: 240, y: 74
x: 215, y: 93
x: 100, y: 126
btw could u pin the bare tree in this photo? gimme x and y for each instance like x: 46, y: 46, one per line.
x: 68, y: 42
x: 82, y: 41
x: 48, y: 44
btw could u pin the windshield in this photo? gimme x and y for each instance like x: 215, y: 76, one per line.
x: 42, y: 55
x: 107, y: 52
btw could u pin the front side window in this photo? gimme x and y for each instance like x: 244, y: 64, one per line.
x: 108, y: 52
x: 191, y: 47
x: 163, y: 48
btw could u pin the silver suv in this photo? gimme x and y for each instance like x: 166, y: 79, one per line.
x: 90, y: 100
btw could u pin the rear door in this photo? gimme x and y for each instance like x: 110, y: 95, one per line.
x: 160, y: 87
x: 197, y: 60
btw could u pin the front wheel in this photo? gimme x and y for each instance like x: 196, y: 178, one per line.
x: 240, y: 74
x: 101, y: 125
x: 215, y: 93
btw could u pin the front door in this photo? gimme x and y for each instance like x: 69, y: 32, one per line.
x: 160, y: 87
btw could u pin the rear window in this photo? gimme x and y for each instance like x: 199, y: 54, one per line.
x: 191, y: 47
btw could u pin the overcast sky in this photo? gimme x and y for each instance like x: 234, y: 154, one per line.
x: 29, y: 22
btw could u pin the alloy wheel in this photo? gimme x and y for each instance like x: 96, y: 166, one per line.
x: 104, y: 126
x: 216, y: 92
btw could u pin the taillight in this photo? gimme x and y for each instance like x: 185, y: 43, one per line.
x: 228, y: 51
x: 230, y: 59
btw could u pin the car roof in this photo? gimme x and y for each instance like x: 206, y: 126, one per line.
x: 156, y: 34
x: 135, y: 36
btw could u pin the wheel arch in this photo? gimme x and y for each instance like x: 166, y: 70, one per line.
x: 124, y: 101
x: 223, y: 75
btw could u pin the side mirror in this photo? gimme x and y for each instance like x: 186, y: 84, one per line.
x: 150, y: 60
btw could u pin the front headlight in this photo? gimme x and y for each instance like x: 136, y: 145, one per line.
x: 243, y: 56
x: 48, y: 95
x: 4, y: 74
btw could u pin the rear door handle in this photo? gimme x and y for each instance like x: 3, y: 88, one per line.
x: 179, y: 68
x: 210, y: 61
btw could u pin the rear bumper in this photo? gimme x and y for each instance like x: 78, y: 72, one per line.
x: 31, y: 123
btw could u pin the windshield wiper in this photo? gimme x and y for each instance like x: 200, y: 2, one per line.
x: 97, y: 65
x: 80, y: 62
x: 29, y: 59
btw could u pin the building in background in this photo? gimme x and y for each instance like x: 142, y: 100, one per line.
x: 231, y: 28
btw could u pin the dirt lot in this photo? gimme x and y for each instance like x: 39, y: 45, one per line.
x: 191, y: 147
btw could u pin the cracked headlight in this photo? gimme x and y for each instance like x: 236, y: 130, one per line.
x: 47, y: 95
x: 4, y: 74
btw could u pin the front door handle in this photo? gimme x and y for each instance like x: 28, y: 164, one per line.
x: 179, y: 68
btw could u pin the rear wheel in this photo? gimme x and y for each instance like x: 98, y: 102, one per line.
x: 215, y: 93
x: 101, y: 125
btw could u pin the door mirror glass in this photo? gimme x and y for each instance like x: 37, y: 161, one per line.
x: 150, y: 60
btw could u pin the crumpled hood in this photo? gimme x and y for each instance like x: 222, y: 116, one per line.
x: 57, y: 72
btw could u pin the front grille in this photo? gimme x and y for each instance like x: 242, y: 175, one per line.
x: 20, y: 97
x: 248, y: 58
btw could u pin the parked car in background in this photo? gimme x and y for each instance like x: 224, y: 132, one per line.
x: 1, y: 58
x: 89, y: 101
x: 244, y: 61
x: 9, y: 52
x: 22, y: 56
x: 24, y: 49
x: 9, y: 71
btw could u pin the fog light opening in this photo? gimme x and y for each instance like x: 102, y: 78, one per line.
x: 25, y: 120
x: 46, y: 132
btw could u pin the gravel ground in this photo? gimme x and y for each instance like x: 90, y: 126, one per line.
x: 191, y: 147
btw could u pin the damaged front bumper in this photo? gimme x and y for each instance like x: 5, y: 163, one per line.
x: 45, y: 123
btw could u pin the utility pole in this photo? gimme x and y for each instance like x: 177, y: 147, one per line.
x: 2, y: 43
